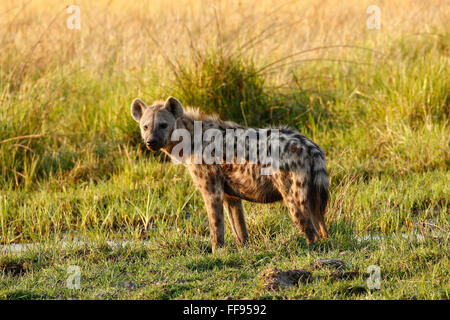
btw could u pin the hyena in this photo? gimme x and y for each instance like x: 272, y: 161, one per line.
x: 301, y: 179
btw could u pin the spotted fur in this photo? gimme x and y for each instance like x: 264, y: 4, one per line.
x: 301, y: 180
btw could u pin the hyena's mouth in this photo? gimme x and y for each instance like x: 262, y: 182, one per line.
x: 153, y: 148
x: 153, y: 145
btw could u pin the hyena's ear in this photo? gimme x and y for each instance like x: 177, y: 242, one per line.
x: 137, y: 109
x: 174, y: 107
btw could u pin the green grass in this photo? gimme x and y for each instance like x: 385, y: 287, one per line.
x: 72, y: 168
x: 183, y: 268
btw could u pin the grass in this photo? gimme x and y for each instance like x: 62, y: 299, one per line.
x: 72, y: 167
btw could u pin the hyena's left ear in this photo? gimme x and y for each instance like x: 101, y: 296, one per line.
x: 174, y: 107
x: 137, y: 109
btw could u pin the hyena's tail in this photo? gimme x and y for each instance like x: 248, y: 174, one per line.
x: 319, y: 189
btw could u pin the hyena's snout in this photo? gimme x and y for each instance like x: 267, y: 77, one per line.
x: 154, y: 141
x: 153, y: 144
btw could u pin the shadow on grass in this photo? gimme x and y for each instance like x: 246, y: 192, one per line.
x: 341, y: 238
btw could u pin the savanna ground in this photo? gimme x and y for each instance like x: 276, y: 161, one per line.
x: 74, y: 174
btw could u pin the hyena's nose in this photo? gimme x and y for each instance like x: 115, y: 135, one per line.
x: 152, y: 143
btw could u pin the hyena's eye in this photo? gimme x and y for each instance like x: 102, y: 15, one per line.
x: 145, y: 127
x: 163, y: 125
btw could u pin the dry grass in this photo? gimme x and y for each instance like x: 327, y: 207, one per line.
x: 120, y: 34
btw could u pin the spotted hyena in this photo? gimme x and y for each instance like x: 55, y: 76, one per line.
x: 300, y: 177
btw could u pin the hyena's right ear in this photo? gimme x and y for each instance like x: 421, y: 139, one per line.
x: 137, y: 109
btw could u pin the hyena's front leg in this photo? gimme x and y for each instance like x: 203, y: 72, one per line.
x: 235, y: 213
x: 212, y: 192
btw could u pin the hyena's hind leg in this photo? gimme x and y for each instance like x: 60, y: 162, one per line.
x: 235, y: 213
x: 294, y: 194
x: 319, y: 213
x: 319, y: 190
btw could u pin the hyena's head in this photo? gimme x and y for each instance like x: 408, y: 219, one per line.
x: 157, y: 121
